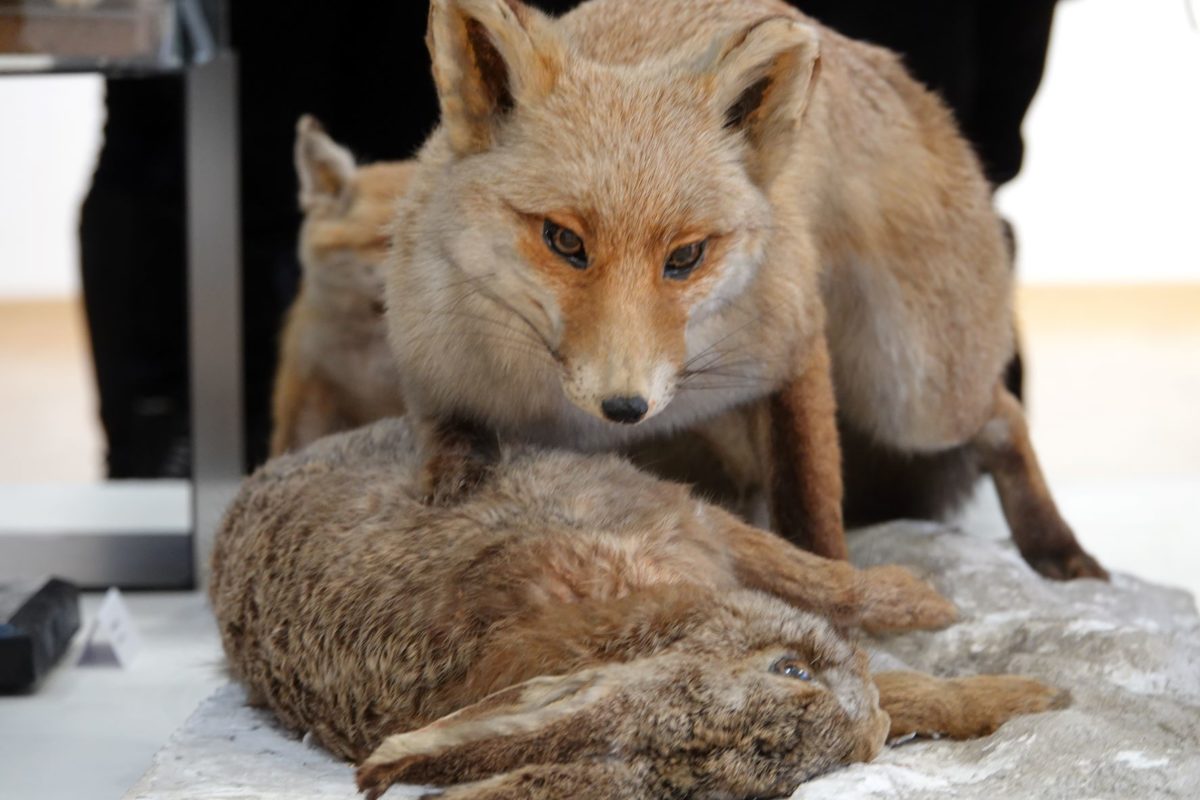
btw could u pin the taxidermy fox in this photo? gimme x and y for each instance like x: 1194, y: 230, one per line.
x: 336, y: 372
x: 335, y: 369
x: 641, y: 216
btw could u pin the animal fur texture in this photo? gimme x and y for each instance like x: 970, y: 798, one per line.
x: 336, y: 371
x: 574, y: 629
x: 678, y: 213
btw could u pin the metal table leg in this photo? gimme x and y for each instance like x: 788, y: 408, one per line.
x: 214, y: 297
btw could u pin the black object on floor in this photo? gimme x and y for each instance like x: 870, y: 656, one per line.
x: 37, y: 621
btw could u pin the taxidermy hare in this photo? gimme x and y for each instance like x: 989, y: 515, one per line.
x: 575, y: 629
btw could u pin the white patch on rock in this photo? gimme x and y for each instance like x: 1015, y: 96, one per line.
x: 1138, y: 760
x: 1084, y: 626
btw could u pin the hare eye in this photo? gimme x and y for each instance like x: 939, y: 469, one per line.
x: 683, y: 261
x: 791, y: 668
x: 566, y: 244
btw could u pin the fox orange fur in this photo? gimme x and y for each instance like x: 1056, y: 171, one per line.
x: 336, y: 371
x: 639, y: 217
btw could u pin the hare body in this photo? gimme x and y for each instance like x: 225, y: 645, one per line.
x: 572, y: 613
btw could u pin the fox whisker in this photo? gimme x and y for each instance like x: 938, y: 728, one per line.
x: 715, y: 345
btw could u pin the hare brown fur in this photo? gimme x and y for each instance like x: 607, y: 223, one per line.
x: 575, y: 628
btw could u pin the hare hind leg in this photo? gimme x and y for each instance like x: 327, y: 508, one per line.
x: 1039, y: 531
x: 960, y: 708
x: 888, y: 598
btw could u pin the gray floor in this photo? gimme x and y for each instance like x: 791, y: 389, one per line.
x: 89, y: 732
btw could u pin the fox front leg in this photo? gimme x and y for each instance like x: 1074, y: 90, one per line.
x: 456, y: 457
x: 806, y: 460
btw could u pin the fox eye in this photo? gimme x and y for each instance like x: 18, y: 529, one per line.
x: 683, y: 262
x: 566, y: 244
x: 791, y: 668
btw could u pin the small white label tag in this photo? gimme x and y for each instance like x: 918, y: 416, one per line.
x: 113, y: 638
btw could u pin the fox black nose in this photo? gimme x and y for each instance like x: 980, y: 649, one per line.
x: 626, y: 410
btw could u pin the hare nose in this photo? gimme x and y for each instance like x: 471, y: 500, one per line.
x: 625, y: 410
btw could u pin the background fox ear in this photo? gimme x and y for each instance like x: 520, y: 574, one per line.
x: 764, y: 79
x: 543, y: 720
x: 324, y: 167
x: 489, y: 56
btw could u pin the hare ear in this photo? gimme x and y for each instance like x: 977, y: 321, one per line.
x: 325, y: 168
x: 538, y: 721
x: 764, y: 76
x: 581, y: 780
x: 489, y: 57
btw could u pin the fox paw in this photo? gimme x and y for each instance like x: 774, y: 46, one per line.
x: 459, y: 458
x: 1067, y: 566
x: 449, y: 481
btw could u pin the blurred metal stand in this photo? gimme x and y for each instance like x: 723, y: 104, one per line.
x: 214, y: 298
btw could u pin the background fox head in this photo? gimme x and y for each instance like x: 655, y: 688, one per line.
x: 609, y: 202
x: 344, y: 238
x: 336, y: 370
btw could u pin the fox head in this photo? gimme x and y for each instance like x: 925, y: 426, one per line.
x: 347, y: 211
x: 610, y: 207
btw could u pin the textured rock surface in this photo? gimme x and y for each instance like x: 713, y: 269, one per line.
x: 1129, y: 652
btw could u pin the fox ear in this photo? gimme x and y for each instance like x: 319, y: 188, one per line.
x: 325, y: 168
x: 489, y: 57
x: 764, y: 79
x: 507, y: 730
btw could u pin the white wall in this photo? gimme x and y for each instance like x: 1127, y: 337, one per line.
x: 1110, y: 191
x: 1111, y: 186
x: 49, y: 134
